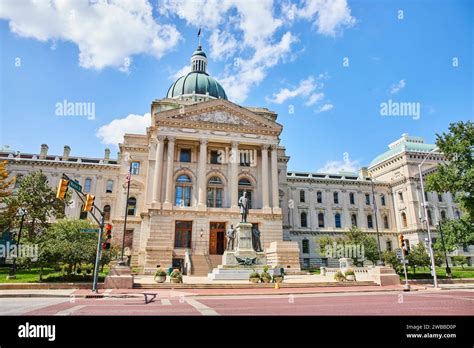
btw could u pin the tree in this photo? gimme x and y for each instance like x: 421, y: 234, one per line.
x: 389, y: 257
x: 459, y: 260
x: 456, y: 175
x: 5, y: 192
x: 323, y: 242
x: 457, y: 233
x: 38, y: 198
x: 418, y: 257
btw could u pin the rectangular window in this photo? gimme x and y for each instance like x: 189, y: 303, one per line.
x: 305, y: 245
x: 87, y: 185
x: 370, y: 223
x: 367, y: 199
x: 400, y: 196
x: 440, y: 197
x: 319, y: 197
x: 215, y: 158
x: 351, y: 198
x: 185, y: 155
x: 135, y: 168
x: 336, y: 198
x: 382, y: 199
x: 389, y: 245
x: 302, y: 196
x: 183, y: 234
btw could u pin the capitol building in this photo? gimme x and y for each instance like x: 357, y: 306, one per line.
x: 198, y: 156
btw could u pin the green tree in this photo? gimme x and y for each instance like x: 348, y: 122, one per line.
x: 355, y: 237
x: 457, y: 174
x: 38, y: 198
x: 459, y: 260
x: 457, y: 233
x: 323, y: 242
x: 418, y: 257
x: 5, y: 191
x: 389, y: 257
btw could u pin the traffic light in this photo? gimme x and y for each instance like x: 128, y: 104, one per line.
x: 89, y: 204
x: 62, y: 189
x: 401, y: 241
x: 108, y: 236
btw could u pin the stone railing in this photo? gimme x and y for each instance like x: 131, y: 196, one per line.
x: 378, y: 274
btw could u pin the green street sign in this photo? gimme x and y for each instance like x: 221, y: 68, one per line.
x: 90, y: 230
x: 75, y: 185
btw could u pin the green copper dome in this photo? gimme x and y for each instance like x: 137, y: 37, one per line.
x: 197, y: 82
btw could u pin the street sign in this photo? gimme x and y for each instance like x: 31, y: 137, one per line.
x: 75, y: 185
x: 405, y: 262
x: 90, y: 230
x: 399, y: 254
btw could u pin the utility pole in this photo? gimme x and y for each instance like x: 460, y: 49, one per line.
x: 22, y: 212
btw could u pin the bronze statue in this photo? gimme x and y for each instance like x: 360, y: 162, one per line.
x: 230, y: 238
x: 244, y: 207
x: 257, y: 246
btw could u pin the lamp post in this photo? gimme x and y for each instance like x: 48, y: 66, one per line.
x: 21, y: 212
x: 425, y: 206
x: 129, y: 178
x: 374, y: 204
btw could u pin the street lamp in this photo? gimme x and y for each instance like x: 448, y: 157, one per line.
x: 374, y: 204
x: 425, y: 206
x: 21, y: 212
x: 128, y: 178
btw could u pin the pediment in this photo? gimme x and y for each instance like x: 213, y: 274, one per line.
x: 218, y: 115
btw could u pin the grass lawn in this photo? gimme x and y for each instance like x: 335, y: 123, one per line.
x: 424, y: 273
x: 49, y: 275
x: 314, y: 271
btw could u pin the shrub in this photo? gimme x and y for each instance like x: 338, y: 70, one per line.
x: 339, y: 276
x: 350, y: 271
x: 176, y: 274
x: 160, y: 272
x: 254, y: 274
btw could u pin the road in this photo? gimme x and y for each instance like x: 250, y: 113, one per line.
x: 428, y: 302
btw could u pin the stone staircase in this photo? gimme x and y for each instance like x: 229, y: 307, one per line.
x: 204, y: 264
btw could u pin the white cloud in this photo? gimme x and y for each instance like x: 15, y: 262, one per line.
x: 181, y: 72
x: 329, y: 16
x: 397, y: 87
x: 325, y: 107
x: 112, y: 133
x: 335, y: 167
x: 304, y: 89
x: 223, y: 44
x: 314, y: 98
x: 107, y: 33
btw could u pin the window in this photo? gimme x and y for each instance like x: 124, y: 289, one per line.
x: 246, y: 185
x: 336, y: 197
x: 107, y: 212
x: 109, y: 186
x: 183, y: 191
x: 185, y: 155
x: 404, y: 220
x: 245, y: 157
x: 321, y: 220
x: 337, y: 220
x: 440, y: 197
x: 215, y: 157
x: 135, y: 168
x: 370, y: 223
x: 382, y: 200
x: 430, y: 219
x: 87, y: 185
x: 83, y: 214
x: 302, y: 196
x: 304, y: 220
x: 389, y: 245
x: 367, y: 199
x: 426, y: 196
x: 305, y: 246
x: 18, y: 180
x: 215, y: 190
x: 400, y: 196
x: 351, y: 198
x: 354, y: 220
x: 132, y: 206
x: 385, y: 222
x: 319, y: 197
x: 183, y: 234
x: 443, y: 215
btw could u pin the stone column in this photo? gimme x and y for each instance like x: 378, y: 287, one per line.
x: 202, y: 175
x: 265, y: 194
x: 158, y: 172
x: 275, y: 197
x: 234, y: 168
x: 169, y: 174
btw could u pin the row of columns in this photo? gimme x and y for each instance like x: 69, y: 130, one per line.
x: 202, y: 168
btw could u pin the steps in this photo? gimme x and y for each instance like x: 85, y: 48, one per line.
x: 204, y: 264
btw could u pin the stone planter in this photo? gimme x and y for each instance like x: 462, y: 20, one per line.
x: 266, y: 280
x: 323, y: 271
x: 254, y: 280
x: 160, y: 279
x: 351, y: 277
x: 277, y: 279
x: 176, y: 280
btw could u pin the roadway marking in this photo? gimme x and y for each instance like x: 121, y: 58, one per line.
x: 70, y: 310
x: 165, y: 302
x: 201, y: 308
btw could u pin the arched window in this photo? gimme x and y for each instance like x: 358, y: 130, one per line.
x: 109, y: 186
x: 430, y: 219
x: 370, y: 223
x: 354, y: 220
x: 351, y: 198
x: 107, y: 212
x: 87, y: 185
x: 337, y: 220
x: 246, y: 185
x: 302, y: 196
x: 382, y: 199
x: 304, y: 221
x: 404, y: 220
x: 443, y: 215
x: 183, y: 191
x: 215, y: 190
x: 321, y: 219
x: 132, y: 206
x: 336, y: 197
x: 18, y: 179
x: 319, y: 197
x: 385, y: 222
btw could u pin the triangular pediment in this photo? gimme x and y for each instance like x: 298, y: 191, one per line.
x: 219, y: 115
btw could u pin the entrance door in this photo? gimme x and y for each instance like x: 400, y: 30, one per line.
x: 217, y: 240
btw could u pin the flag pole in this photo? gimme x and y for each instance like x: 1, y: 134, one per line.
x: 129, y: 178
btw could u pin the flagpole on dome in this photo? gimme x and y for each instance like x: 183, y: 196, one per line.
x: 199, y: 37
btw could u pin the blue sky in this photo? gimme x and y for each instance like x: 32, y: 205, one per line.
x: 286, y: 56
